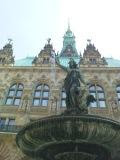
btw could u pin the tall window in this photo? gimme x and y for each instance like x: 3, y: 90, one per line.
x: 2, y: 122
x: 98, y: 93
x: 118, y: 93
x: 41, y: 95
x: 63, y: 98
x: 11, y: 122
x: 14, y: 94
x: 7, y: 124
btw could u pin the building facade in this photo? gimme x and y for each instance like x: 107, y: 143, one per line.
x: 32, y: 88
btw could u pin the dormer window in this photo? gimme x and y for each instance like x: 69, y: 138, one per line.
x: 92, y: 60
x: 45, y: 60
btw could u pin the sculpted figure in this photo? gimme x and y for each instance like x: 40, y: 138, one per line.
x: 76, y: 96
x: 72, y: 85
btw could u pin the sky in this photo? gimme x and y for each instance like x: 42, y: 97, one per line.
x: 29, y: 23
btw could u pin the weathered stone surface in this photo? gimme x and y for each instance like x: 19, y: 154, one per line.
x: 46, y: 133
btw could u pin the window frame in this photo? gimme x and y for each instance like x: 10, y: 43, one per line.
x: 62, y: 98
x: 7, y: 121
x: 97, y: 90
x: 118, y: 92
x: 41, y: 89
x: 1, y: 120
x: 19, y: 87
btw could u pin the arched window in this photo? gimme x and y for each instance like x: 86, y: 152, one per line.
x: 98, y: 93
x: 41, y: 95
x: 63, y: 98
x: 14, y: 94
x: 118, y: 93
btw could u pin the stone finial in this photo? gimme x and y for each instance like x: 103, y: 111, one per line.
x: 68, y: 24
x: 89, y: 41
x: 48, y: 40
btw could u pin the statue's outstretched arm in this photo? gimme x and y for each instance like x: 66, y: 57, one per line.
x: 61, y: 66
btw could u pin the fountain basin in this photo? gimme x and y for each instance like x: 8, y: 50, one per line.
x: 55, y: 136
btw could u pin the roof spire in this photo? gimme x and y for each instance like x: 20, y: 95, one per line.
x: 69, y: 46
x: 68, y: 24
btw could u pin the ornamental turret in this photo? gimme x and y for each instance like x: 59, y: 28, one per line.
x: 69, y: 45
x: 6, y: 54
x: 92, y: 57
x: 46, y: 55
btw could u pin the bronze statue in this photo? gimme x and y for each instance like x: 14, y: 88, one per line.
x: 76, y: 97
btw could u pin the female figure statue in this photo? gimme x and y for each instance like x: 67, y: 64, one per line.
x: 74, y: 93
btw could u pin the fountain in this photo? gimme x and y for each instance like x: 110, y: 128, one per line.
x: 73, y: 135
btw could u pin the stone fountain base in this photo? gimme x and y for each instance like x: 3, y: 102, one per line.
x: 83, y: 137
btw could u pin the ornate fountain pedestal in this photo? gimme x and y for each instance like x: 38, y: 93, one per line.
x: 84, y: 137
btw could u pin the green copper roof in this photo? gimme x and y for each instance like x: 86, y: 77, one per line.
x: 113, y: 62
x: 24, y: 62
x: 64, y: 61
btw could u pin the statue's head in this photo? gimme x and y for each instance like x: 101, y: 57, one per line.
x: 72, y: 64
